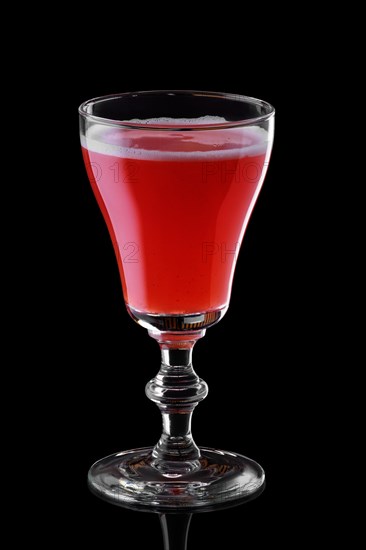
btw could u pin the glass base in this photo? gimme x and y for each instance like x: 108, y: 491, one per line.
x: 130, y: 478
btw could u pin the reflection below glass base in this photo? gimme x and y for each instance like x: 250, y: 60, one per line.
x: 129, y: 478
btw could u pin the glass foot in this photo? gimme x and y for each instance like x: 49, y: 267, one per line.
x: 219, y: 477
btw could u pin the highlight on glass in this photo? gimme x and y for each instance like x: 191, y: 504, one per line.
x: 176, y: 175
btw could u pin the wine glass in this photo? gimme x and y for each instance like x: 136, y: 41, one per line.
x: 176, y: 175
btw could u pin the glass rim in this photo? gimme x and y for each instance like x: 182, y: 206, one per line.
x: 187, y: 127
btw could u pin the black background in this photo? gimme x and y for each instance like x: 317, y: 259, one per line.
x: 255, y: 360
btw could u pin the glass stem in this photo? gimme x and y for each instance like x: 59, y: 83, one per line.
x: 175, y: 529
x: 176, y: 390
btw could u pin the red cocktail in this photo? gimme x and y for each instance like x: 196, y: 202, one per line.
x: 176, y: 210
x: 176, y: 175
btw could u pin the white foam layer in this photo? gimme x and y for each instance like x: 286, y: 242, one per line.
x: 167, y: 121
x: 203, y: 144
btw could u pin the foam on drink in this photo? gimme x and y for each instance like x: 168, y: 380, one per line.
x: 204, y: 144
